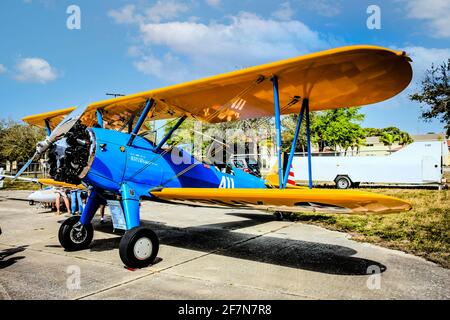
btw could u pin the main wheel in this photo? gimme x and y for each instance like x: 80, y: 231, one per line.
x: 74, y: 236
x: 343, y: 182
x: 139, y: 247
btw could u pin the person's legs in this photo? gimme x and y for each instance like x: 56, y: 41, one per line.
x: 80, y: 202
x: 67, y: 203
x: 73, y: 198
x: 102, y: 212
x: 58, y: 204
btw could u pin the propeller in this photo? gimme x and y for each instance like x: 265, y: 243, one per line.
x: 59, y: 132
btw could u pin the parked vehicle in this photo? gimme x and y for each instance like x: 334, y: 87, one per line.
x: 419, y: 163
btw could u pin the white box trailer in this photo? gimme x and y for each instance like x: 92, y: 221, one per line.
x: 419, y: 163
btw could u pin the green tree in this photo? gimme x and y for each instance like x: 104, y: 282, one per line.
x: 17, y: 141
x: 372, y: 132
x: 388, y: 136
x: 435, y: 93
x: 338, y: 128
x: 405, y: 138
x: 289, y: 124
x: 388, y: 139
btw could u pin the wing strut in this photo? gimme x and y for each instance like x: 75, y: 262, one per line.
x: 148, y: 106
x: 100, y: 118
x: 169, y: 134
x: 294, y: 142
x: 283, y: 176
x: 276, y: 104
x: 308, y: 141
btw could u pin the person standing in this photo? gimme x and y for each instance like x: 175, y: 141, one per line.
x: 61, y: 193
x: 76, y: 201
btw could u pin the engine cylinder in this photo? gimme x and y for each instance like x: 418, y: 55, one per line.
x: 69, y: 157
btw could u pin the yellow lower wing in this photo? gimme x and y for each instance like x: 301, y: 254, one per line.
x: 288, y: 200
x: 53, y: 183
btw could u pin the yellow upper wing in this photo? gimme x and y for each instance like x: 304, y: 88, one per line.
x: 341, y: 77
x: 53, y: 118
x: 290, y: 200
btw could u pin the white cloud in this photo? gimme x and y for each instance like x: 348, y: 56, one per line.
x: 40, y: 2
x: 164, y: 10
x: 327, y: 8
x: 169, y: 68
x: 246, y: 40
x: 135, y: 51
x: 435, y: 12
x: 35, y: 70
x: 423, y: 58
x: 206, y: 48
x: 124, y: 15
x: 2, y: 69
x: 243, y: 40
x: 160, y: 11
x: 285, y: 12
x: 213, y: 3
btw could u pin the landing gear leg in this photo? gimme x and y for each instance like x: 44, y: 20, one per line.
x: 139, y: 246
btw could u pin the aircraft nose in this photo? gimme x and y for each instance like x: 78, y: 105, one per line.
x: 69, y: 156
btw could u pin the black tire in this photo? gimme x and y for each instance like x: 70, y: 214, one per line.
x: 31, y: 202
x: 73, y: 239
x: 129, y: 250
x: 343, y: 182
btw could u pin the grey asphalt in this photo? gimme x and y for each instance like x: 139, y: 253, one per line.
x: 206, y: 254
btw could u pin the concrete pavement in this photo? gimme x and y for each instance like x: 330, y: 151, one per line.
x: 206, y: 254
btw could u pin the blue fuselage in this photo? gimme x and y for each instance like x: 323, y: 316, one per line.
x: 143, y: 167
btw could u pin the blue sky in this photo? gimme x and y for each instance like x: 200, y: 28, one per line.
x: 127, y: 46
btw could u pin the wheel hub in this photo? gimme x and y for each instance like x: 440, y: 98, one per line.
x: 342, y: 183
x: 78, y: 234
x: 143, y: 248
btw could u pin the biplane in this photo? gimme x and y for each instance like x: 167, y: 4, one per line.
x: 103, y: 146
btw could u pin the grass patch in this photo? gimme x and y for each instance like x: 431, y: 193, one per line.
x: 447, y: 176
x: 20, y: 185
x: 423, y: 231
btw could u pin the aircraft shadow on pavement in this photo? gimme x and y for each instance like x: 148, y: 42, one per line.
x: 219, y: 240
x: 8, y: 253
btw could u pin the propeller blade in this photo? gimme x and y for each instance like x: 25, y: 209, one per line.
x: 67, y: 124
x: 25, y: 167
x: 61, y: 130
